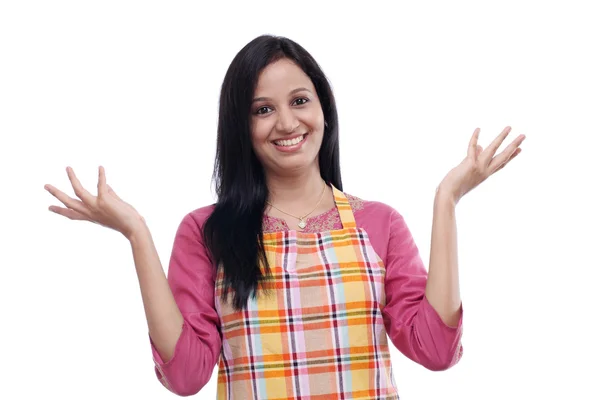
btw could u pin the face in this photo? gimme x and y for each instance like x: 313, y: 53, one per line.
x: 287, y: 121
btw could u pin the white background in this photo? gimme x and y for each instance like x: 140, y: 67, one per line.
x: 134, y: 86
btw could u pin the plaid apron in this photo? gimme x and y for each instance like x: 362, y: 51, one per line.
x: 316, y: 330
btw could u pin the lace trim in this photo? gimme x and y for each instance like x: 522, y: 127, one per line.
x: 326, y: 221
x: 272, y: 224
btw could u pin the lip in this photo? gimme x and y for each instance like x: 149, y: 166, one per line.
x: 291, y: 149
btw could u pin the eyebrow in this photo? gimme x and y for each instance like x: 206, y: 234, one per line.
x: 300, y: 89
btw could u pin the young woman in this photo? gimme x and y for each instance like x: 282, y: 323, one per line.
x: 289, y: 284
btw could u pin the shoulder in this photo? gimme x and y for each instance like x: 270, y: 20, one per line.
x: 384, y: 225
x: 372, y: 209
x: 201, y: 214
x: 193, y: 221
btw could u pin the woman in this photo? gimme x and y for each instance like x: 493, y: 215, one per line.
x: 287, y: 282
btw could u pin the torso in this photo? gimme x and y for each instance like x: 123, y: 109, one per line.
x: 317, y: 328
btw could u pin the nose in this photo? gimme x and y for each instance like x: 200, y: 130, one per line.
x: 287, y: 121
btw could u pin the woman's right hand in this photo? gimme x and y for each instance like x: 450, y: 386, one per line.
x: 106, y: 209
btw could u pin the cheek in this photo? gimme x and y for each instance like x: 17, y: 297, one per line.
x: 316, y: 118
x: 259, y: 138
x: 318, y: 138
x: 318, y: 126
x: 260, y: 133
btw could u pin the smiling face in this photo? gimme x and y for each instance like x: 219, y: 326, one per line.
x: 287, y: 121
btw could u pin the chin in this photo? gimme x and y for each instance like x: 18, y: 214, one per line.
x: 285, y: 167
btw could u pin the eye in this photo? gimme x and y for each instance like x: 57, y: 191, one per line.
x: 265, y: 109
x: 302, y: 100
x: 262, y: 110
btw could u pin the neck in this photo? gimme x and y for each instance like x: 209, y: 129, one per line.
x: 298, y: 193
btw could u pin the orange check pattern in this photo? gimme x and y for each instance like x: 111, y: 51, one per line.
x: 316, y: 330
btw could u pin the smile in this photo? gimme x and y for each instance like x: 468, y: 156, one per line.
x: 291, y: 142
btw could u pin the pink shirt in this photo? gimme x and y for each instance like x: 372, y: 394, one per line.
x: 413, y: 326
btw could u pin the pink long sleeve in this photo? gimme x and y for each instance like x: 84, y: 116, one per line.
x: 191, y: 279
x: 412, y: 324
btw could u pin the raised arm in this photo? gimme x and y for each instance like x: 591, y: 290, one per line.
x: 186, y: 344
x: 412, y: 323
x: 182, y: 321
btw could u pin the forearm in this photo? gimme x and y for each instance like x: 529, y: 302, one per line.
x: 162, y: 314
x: 442, y: 289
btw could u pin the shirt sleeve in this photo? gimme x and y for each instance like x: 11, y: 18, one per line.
x: 192, y: 280
x: 412, y: 324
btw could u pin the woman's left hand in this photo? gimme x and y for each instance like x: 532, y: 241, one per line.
x: 479, y: 165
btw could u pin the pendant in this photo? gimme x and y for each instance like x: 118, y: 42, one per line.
x: 302, y: 224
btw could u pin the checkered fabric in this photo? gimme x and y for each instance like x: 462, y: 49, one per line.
x: 316, y: 330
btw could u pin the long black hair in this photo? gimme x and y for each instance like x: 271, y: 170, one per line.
x: 233, y: 232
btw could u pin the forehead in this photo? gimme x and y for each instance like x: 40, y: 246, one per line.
x: 281, y: 77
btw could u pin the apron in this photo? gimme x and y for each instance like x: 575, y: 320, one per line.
x: 316, y: 329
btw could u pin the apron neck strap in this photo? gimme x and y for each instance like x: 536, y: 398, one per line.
x: 344, y: 209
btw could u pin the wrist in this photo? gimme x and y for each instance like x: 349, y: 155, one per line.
x: 445, y: 196
x: 138, y: 231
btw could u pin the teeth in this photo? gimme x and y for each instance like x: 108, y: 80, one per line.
x: 289, y: 142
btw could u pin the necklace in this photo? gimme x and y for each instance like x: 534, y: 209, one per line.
x: 302, y: 219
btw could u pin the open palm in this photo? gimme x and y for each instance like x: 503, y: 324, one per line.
x: 480, y: 164
x: 106, y: 209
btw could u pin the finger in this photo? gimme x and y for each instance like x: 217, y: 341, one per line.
x: 71, y: 203
x: 516, y: 153
x: 102, y: 186
x: 489, y: 152
x: 507, y: 153
x: 66, y: 212
x: 84, y: 195
x: 509, y: 160
x: 472, y: 151
x: 479, y: 150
